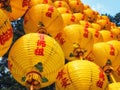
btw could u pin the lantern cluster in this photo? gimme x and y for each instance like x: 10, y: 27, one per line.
x: 59, y: 30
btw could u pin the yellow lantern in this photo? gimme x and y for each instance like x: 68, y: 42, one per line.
x: 76, y: 41
x: 116, y: 63
x: 14, y: 8
x: 63, y: 10
x: 114, y: 86
x: 59, y: 3
x: 90, y: 15
x: 105, y: 53
x: 6, y: 33
x: 97, y: 36
x: 43, y: 18
x: 69, y: 19
x: 35, y: 59
x: 85, y: 23
x: 81, y: 75
x: 116, y: 32
x: 76, y: 6
x: 96, y: 26
x: 35, y: 2
x: 107, y: 35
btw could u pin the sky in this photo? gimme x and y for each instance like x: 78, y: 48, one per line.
x: 104, y: 6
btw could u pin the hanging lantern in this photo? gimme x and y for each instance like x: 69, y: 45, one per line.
x: 90, y: 15
x: 6, y: 33
x: 69, y: 19
x: 76, y: 41
x: 43, y: 18
x: 35, y: 59
x: 58, y: 4
x: 63, y: 10
x: 96, y: 26
x: 114, y: 86
x: 35, y: 2
x: 76, y: 6
x: 97, y: 36
x: 107, y: 35
x: 14, y: 8
x: 116, y: 62
x: 116, y: 32
x: 105, y: 53
x: 81, y: 75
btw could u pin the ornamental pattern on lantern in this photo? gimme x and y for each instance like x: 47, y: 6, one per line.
x: 85, y: 33
x: 112, y: 50
x: 40, y: 46
x: 64, y: 80
x: 101, y: 80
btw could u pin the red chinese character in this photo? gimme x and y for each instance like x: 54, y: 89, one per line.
x: 60, y: 4
x: 50, y: 10
x: 64, y: 82
x: 72, y: 18
x: 60, y: 74
x: 60, y: 38
x: 25, y: 3
x: 41, y: 43
x: 96, y: 33
x: 49, y: 14
x: 45, y: 1
x: 99, y: 83
x: 39, y: 51
x: 85, y: 33
x: 9, y: 65
x: 112, y: 50
x: 118, y: 70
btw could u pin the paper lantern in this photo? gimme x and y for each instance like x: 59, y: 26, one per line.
x: 114, y: 86
x: 96, y: 26
x: 43, y: 18
x: 14, y: 8
x: 76, y: 6
x: 81, y: 75
x: 97, y: 36
x: 6, y: 33
x: 69, y: 18
x: 107, y: 35
x: 90, y: 15
x: 35, y: 2
x: 35, y: 59
x: 105, y: 53
x: 63, y: 10
x: 116, y: 62
x: 76, y: 41
x: 116, y: 32
x: 61, y: 4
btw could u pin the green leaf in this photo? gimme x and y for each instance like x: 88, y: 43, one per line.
x: 71, y: 55
x: 44, y: 79
x: 23, y: 79
x: 39, y: 66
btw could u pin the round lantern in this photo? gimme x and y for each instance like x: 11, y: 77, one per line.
x: 107, y: 35
x: 43, y: 18
x: 114, y: 86
x: 90, y: 15
x: 76, y: 6
x: 116, y: 63
x: 63, y: 10
x: 81, y: 75
x: 116, y: 32
x: 69, y: 19
x: 35, y: 59
x: 14, y: 8
x: 97, y: 36
x: 59, y: 3
x: 76, y: 41
x: 105, y: 53
x: 6, y: 33
x: 35, y: 2
x: 96, y: 26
